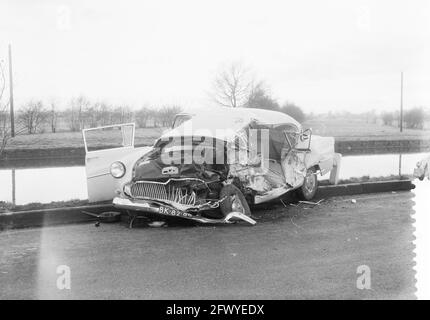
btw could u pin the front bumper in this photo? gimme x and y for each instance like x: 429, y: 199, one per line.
x: 161, y: 209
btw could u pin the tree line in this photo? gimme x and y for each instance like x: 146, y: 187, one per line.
x: 413, y: 118
x: 35, y: 116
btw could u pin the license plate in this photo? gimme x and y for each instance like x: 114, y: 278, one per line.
x: 172, y: 212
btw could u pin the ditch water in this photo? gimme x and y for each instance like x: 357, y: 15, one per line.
x: 47, y: 184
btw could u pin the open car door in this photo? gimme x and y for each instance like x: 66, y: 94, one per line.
x: 320, y: 151
x: 103, y: 146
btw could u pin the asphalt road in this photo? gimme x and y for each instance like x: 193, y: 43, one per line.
x: 293, y: 252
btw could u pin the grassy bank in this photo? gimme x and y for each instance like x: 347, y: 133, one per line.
x: 9, y: 207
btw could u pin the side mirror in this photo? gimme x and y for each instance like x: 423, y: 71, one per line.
x: 305, y: 134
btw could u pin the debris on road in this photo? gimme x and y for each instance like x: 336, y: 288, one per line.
x: 107, y: 216
x: 157, y: 224
x: 312, y: 203
x: 239, y: 215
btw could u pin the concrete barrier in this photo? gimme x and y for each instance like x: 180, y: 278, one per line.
x: 357, y: 147
x: 365, y: 187
x: 73, y: 215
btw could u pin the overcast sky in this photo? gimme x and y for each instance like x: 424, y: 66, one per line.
x: 322, y: 55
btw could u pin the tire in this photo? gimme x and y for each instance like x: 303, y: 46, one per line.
x: 234, y: 200
x: 310, y: 185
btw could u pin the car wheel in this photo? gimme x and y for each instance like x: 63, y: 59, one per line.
x: 310, y: 185
x: 234, y: 200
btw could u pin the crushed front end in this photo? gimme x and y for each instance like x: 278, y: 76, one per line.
x: 178, y: 189
x: 175, y: 197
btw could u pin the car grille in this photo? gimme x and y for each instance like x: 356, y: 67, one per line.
x: 162, y: 191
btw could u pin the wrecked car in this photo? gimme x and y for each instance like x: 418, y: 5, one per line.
x: 422, y: 169
x: 211, y: 166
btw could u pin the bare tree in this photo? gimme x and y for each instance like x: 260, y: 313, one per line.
x: 53, y: 116
x: 121, y: 114
x: 414, y: 118
x: 5, y: 133
x: 371, y: 116
x: 98, y: 114
x: 294, y: 111
x: 387, y: 118
x: 5, y: 128
x: 70, y: 117
x: 76, y: 113
x: 105, y: 111
x: 166, y: 115
x: 32, y: 116
x: 142, y: 116
x: 92, y: 114
x: 259, y: 97
x: 232, y: 87
x: 155, y: 116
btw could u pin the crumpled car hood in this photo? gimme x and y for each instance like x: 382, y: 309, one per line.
x: 153, y: 170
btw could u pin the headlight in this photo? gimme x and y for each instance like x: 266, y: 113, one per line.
x: 117, y: 169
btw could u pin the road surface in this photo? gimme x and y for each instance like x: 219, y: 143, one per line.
x: 292, y: 253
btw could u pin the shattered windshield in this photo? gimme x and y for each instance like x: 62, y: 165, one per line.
x: 190, y: 149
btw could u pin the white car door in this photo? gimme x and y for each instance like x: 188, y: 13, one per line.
x: 101, y: 185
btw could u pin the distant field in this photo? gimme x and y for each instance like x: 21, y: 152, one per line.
x: 359, y: 129
x: 144, y: 136
x: 342, y: 129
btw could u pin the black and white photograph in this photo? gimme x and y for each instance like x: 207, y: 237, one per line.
x: 215, y: 155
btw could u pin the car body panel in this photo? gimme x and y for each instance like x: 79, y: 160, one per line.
x: 101, y: 185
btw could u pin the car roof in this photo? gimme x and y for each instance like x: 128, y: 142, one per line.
x: 223, y: 122
x: 262, y: 116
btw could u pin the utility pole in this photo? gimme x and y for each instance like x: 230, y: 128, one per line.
x: 401, y: 101
x: 13, y: 188
x: 12, y: 117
